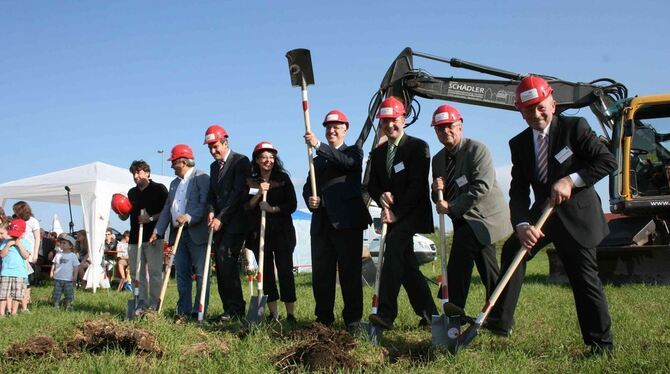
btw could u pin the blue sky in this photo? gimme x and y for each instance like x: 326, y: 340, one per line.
x: 117, y: 81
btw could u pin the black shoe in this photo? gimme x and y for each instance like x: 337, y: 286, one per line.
x: 378, y: 320
x: 424, y: 324
x: 327, y: 324
x: 226, y: 317
x: 496, y: 329
x: 272, y: 318
x: 180, y: 319
x: 290, y: 318
x: 601, y: 350
x: 355, y: 328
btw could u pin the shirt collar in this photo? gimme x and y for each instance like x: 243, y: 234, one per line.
x: 397, y: 141
x: 453, y: 152
x: 225, y: 158
x: 544, y: 132
x: 188, y: 175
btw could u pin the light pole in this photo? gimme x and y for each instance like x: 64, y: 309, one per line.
x: 162, y: 162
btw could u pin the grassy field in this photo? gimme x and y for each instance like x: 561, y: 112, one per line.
x: 546, y: 336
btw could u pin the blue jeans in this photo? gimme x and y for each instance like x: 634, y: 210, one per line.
x: 189, y: 260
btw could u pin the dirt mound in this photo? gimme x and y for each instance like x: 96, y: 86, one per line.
x: 37, y: 346
x: 319, y: 348
x: 95, y: 336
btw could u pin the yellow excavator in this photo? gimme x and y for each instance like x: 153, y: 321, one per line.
x: 635, y: 129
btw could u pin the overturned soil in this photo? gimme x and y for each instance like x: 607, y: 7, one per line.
x: 95, y: 336
x: 36, y: 347
x: 318, y: 348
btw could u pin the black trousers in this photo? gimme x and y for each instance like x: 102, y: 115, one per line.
x: 228, y: 249
x: 466, y: 251
x: 400, y: 268
x: 282, y: 260
x: 337, y: 250
x: 582, y: 270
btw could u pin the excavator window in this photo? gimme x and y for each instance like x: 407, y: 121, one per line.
x: 650, y: 155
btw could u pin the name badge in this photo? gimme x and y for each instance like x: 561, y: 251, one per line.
x: 253, y: 191
x: 563, y: 155
x: 461, y: 181
x: 399, y: 167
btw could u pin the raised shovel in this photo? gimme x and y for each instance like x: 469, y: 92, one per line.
x: 257, y: 303
x: 133, y: 303
x: 373, y: 331
x: 302, y: 75
x: 446, y: 327
x: 168, y: 268
x: 471, y: 332
x: 205, y: 278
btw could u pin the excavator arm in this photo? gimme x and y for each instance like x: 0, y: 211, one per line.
x: 404, y: 81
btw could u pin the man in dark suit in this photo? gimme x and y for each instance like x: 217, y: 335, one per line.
x: 186, y: 205
x: 228, y: 187
x: 561, y: 158
x: 399, y: 184
x: 339, y: 217
x: 464, y: 171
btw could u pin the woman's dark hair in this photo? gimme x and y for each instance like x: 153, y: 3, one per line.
x: 22, y: 210
x: 276, y: 169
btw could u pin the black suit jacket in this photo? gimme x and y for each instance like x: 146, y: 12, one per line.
x: 408, y: 183
x: 338, y: 184
x: 226, y: 197
x: 582, y: 214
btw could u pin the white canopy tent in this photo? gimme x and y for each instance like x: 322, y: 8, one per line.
x: 91, y: 187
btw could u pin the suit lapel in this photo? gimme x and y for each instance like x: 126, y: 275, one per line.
x: 554, y: 137
x: 232, y: 158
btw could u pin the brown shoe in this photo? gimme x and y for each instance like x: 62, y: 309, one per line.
x: 378, y: 320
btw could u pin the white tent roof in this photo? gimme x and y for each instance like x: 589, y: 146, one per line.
x: 91, y: 187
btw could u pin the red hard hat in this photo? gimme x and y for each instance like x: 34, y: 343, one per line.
x: 336, y: 116
x: 181, y: 151
x: 121, y: 205
x: 531, y: 90
x: 446, y: 114
x: 264, y: 146
x: 391, y: 108
x: 16, y: 228
x: 215, y: 133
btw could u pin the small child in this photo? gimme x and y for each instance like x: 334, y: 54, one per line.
x: 122, y: 259
x: 64, y: 271
x: 14, y: 252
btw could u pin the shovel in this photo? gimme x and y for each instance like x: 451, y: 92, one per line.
x: 258, y: 302
x: 133, y: 303
x: 302, y: 75
x: 471, y: 332
x: 446, y: 327
x: 373, y: 331
x: 205, y: 277
x: 168, y: 268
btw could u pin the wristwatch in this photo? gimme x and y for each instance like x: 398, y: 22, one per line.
x: 151, y: 218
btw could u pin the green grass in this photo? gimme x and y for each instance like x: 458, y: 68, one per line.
x: 546, y: 336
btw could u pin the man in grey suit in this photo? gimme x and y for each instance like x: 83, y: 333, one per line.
x: 464, y: 171
x: 186, y: 205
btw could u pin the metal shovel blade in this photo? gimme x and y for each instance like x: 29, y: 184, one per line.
x: 445, y: 332
x: 130, y: 312
x: 300, y: 65
x: 256, y: 308
x: 374, y: 333
x: 468, y: 335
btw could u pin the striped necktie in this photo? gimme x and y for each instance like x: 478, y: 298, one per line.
x: 390, y: 155
x: 450, y: 188
x: 542, y: 155
x: 220, y: 175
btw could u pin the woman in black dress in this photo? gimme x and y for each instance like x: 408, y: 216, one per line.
x: 268, y: 174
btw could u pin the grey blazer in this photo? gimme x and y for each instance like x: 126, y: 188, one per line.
x: 479, y: 200
x: 196, y: 207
